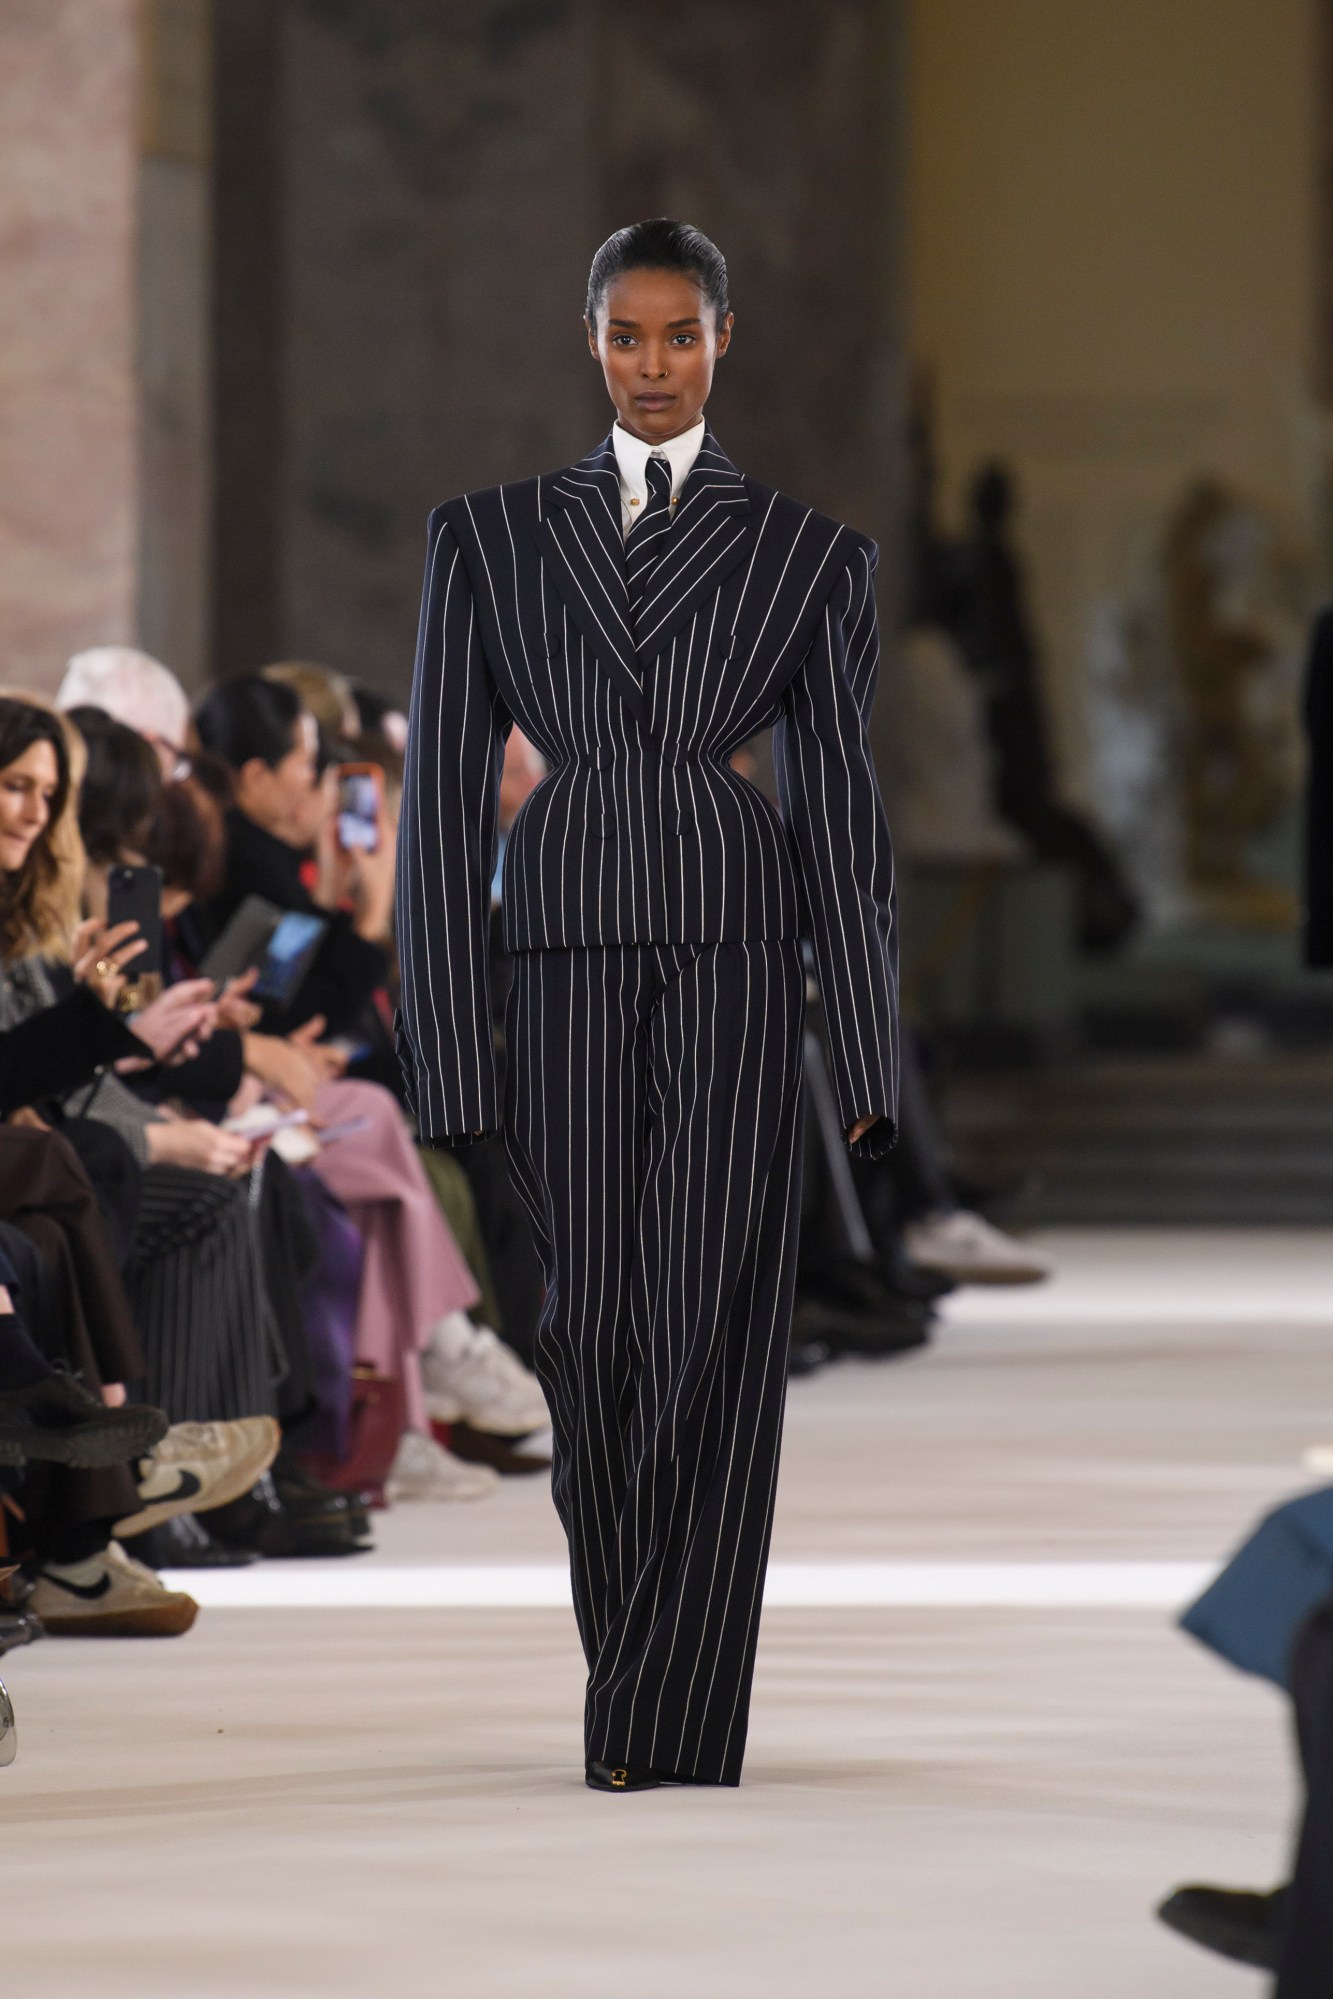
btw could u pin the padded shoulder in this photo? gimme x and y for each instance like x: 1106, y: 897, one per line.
x: 491, y: 509
x: 792, y: 517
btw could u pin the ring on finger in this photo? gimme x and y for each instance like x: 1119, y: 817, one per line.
x: 104, y: 968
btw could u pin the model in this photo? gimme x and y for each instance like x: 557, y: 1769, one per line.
x: 639, y: 616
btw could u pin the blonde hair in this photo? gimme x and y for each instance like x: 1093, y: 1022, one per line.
x: 40, y: 904
x: 322, y: 690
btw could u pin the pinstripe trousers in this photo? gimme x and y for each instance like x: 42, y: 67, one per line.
x: 196, y: 1284
x: 652, y: 1122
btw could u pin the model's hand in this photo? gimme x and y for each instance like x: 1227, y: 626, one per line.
x: 861, y: 1127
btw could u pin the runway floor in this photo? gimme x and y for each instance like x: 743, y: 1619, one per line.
x: 979, y: 1751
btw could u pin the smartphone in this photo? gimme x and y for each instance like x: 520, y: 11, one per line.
x: 134, y: 895
x: 360, y: 807
x: 288, y: 955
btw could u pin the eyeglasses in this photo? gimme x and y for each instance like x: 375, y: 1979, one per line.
x: 181, y: 765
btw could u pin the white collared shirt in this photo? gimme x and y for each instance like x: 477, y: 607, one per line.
x: 632, y: 456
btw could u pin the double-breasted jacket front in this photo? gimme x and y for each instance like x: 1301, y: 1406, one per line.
x: 760, y: 613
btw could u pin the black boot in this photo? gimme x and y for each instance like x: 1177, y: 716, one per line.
x: 58, y: 1419
x: 262, y: 1522
x: 183, y: 1542
x: 1235, y: 1922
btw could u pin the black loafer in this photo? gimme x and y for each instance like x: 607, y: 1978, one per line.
x: 1235, y: 1922
x: 615, y: 1777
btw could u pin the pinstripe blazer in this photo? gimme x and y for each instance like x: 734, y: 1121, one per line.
x: 760, y: 612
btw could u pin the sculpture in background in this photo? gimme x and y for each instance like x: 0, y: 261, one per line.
x: 1233, y: 604
x: 972, y: 591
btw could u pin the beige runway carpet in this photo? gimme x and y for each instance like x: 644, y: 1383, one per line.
x: 971, y: 1770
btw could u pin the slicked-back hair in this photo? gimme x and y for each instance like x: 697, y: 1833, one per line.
x: 660, y: 245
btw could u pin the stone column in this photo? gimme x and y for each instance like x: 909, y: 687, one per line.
x: 408, y: 197
x: 779, y: 130
x: 68, y: 76
x: 439, y: 203
x: 174, y: 277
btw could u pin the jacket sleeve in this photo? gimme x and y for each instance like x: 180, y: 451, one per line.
x: 446, y: 857
x: 830, y: 798
x: 61, y: 1047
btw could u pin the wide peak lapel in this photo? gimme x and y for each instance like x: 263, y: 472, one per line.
x: 712, y: 532
x: 580, y: 535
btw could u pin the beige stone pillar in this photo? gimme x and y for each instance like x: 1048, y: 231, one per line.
x: 174, y: 348
x: 67, y: 315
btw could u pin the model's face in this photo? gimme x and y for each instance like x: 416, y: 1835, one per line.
x: 658, y: 342
x: 27, y: 788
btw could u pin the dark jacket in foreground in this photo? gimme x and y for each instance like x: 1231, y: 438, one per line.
x: 760, y: 613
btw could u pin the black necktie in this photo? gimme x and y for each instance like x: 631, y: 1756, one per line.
x: 647, y: 537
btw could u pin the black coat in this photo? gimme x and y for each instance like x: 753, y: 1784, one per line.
x: 60, y: 1048
x: 761, y: 613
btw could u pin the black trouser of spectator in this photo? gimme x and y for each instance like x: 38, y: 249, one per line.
x: 1307, y: 1952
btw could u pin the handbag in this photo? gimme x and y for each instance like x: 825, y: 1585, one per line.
x: 376, y: 1424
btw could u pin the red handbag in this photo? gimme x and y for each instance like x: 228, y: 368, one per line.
x: 374, y: 1429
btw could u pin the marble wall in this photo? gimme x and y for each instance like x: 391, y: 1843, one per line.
x: 68, y: 553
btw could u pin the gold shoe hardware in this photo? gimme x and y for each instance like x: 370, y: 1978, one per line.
x: 619, y: 1779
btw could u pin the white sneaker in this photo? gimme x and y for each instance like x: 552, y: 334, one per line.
x: 109, y: 1596
x: 1319, y: 1460
x: 423, y: 1469
x: 965, y: 1247
x: 198, y: 1465
x: 473, y: 1377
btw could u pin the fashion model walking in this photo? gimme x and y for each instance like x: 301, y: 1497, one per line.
x: 640, y: 615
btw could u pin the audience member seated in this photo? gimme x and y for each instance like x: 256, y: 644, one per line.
x: 137, y: 690
x: 414, y: 1287
x: 217, y: 1329
x: 269, y: 744
x: 1270, y: 1612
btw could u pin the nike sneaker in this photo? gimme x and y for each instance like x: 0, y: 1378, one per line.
x: 200, y: 1465
x: 109, y: 1595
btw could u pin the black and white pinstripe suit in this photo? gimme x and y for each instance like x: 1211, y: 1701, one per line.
x: 651, y: 1107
